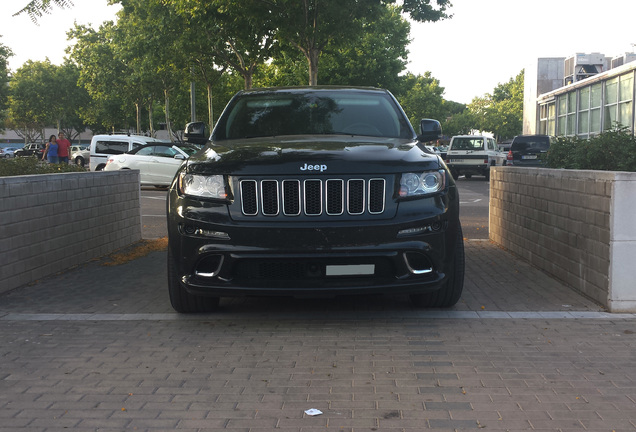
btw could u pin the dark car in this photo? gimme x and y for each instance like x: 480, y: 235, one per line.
x: 32, y: 149
x: 529, y: 150
x: 314, y: 191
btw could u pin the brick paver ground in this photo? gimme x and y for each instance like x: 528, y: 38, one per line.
x: 99, y: 349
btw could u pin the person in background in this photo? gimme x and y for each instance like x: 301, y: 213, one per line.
x: 64, y: 146
x: 50, y: 152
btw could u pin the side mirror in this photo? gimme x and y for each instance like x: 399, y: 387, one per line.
x: 179, y: 156
x: 431, y: 130
x: 194, y: 133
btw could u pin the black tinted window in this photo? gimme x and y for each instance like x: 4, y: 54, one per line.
x: 111, y: 147
x: 530, y: 143
x: 263, y: 114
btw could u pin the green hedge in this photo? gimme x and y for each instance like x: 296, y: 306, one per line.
x: 610, y: 151
x: 18, y: 166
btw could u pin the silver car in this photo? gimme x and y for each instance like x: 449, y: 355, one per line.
x: 80, y: 155
x: 8, y: 152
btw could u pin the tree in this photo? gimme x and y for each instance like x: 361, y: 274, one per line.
x: 312, y: 25
x: 376, y: 57
x: 461, y: 123
x: 104, y: 75
x: 5, y: 53
x: 157, y: 62
x: 502, y: 112
x: 43, y: 94
x: 36, y: 8
x: 421, y: 97
x: 236, y: 33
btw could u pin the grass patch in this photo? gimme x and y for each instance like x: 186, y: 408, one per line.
x: 137, y: 250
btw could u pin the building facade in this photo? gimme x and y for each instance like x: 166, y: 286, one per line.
x: 581, y: 96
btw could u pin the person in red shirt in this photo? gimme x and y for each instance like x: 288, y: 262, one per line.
x: 63, y: 148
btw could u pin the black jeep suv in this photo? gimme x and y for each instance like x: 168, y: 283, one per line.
x: 310, y: 192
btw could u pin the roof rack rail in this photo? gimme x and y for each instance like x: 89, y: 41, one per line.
x: 128, y: 133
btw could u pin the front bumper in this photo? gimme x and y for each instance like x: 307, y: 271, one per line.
x: 219, y: 256
x: 479, y: 169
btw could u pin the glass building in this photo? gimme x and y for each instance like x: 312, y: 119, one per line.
x: 583, y: 108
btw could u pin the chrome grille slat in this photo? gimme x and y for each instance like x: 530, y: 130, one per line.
x: 313, y: 197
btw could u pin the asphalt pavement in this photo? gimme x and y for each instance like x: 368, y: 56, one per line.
x: 98, y: 348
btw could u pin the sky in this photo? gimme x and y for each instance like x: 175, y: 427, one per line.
x: 484, y: 44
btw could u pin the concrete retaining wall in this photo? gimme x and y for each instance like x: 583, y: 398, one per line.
x: 52, y: 222
x: 577, y: 226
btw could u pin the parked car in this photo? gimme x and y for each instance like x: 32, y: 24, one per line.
x: 314, y: 191
x: 104, y: 146
x: 470, y: 155
x: 31, y: 149
x: 504, y: 146
x: 80, y: 155
x: 529, y: 150
x: 157, y: 162
x: 8, y: 152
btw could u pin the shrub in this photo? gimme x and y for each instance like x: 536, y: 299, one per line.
x: 613, y: 150
x: 31, y: 165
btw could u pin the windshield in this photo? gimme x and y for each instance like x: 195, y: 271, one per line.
x: 467, y: 144
x: 265, y: 114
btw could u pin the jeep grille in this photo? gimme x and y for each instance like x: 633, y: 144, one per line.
x: 312, y: 197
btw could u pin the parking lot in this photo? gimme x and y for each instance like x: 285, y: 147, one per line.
x: 99, y: 348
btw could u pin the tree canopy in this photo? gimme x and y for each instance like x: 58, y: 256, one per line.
x: 43, y: 94
x: 138, y: 71
x: 36, y: 8
x: 5, y: 53
x: 502, y: 111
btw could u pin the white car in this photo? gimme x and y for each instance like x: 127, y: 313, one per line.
x: 80, y: 155
x: 470, y: 155
x: 157, y: 162
x: 104, y: 146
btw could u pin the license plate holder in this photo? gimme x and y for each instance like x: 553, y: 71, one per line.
x: 350, y: 270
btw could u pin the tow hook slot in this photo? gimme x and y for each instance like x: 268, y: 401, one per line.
x: 417, y: 263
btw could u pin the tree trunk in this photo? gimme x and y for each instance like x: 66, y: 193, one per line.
x: 210, y: 108
x: 247, y: 77
x: 168, y: 125
x: 138, y: 117
x: 151, y: 122
x: 312, y: 57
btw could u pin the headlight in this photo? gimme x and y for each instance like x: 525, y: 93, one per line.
x: 412, y: 184
x: 213, y: 186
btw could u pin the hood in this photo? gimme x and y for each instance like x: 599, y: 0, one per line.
x: 312, y: 156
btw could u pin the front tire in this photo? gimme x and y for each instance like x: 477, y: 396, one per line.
x: 181, y: 300
x: 448, y: 295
